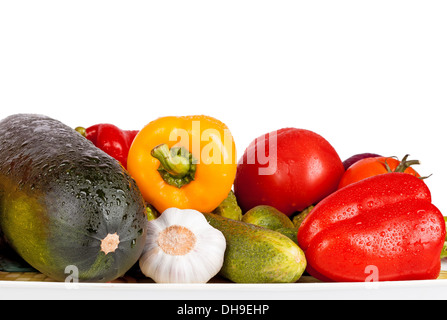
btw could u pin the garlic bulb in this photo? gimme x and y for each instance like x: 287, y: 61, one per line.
x: 182, y: 247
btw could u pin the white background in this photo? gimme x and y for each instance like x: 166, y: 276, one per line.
x: 369, y: 76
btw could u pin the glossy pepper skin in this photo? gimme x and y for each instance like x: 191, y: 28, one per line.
x: 186, y: 162
x: 386, y: 224
x: 110, y: 139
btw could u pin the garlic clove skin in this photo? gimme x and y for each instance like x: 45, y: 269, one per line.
x: 182, y: 247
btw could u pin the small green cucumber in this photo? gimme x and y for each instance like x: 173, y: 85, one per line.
x: 229, y: 208
x: 256, y: 254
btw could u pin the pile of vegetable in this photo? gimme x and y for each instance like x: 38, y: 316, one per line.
x: 172, y: 201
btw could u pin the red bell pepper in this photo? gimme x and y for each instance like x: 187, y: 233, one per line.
x: 385, y: 224
x: 110, y: 139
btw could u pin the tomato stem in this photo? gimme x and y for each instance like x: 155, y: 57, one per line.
x: 405, y: 164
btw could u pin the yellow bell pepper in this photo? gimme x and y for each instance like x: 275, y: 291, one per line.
x: 184, y: 162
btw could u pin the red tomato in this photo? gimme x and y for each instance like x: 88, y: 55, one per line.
x: 289, y: 169
x: 373, y: 166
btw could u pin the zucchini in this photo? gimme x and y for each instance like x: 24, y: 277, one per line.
x: 65, y: 205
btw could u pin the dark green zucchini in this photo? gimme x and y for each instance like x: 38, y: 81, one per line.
x: 66, y: 207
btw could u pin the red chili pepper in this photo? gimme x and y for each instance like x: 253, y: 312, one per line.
x: 384, y: 225
x: 110, y: 139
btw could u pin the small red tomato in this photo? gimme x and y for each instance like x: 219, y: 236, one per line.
x: 373, y: 166
x: 289, y: 169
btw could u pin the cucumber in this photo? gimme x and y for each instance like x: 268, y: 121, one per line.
x: 229, y: 208
x: 66, y: 207
x: 257, y: 255
x: 267, y: 217
x: 271, y: 218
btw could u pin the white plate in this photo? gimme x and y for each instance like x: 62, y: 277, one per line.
x: 422, y: 289
x: 426, y: 289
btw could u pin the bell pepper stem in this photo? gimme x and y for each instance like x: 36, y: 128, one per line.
x: 175, y: 164
x: 81, y: 131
